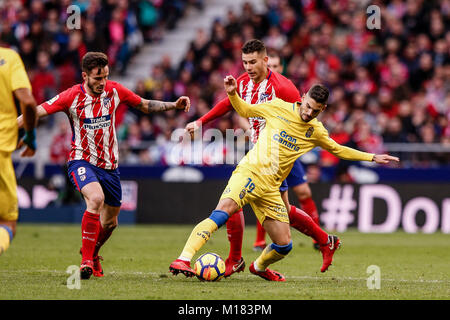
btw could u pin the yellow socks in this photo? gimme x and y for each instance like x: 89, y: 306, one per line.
x: 202, y: 232
x: 272, y: 253
x: 199, y: 236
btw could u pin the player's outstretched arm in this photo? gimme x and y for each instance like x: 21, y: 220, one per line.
x: 28, y: 119
x: 220, y: 109
x: 40, y: 112
x: 348, y: 153
x: 151, y: 106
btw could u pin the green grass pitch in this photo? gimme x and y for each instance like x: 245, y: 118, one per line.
x: 137, y: 258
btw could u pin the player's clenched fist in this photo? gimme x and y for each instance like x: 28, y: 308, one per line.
x: 191, y: 127
x: 183, y: 103
x: 230, y: 85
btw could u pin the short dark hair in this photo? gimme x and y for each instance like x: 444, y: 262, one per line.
x: 319, y: 93
x: 92, y: 60
x: 254, y: 45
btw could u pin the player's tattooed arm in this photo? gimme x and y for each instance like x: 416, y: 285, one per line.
x: 151, y: 106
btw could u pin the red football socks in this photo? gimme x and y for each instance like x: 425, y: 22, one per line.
x: 309, y: 206
x: 235, y: 231
x: 103, y: 236
x: 305, y: 224
x: 90, y: 225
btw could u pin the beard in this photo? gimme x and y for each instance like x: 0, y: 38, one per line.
x: 95, y: 89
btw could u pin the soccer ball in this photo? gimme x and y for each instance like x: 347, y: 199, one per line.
x: 209, y: 267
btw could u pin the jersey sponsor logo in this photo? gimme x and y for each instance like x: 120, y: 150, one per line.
x: 97, y: 123
x: 280, y: 210
x: 309, y: 132
x: 286, y: 140
x: 284, y: 119
x: 204, y: 234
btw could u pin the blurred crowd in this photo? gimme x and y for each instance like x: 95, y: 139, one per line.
x: 53, y: 35
x: 388, y: 85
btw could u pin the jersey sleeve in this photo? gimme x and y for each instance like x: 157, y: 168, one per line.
x: 19, y: 77
x: 127, y: 96
x: 221, y: 108
x: 60, y: 102
x: 324, y: 141
x: 289, y: 92
x: 247, y: 110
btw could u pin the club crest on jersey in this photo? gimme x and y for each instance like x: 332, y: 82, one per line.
x: 106, y: 102
x: 242, y: 194
x: 309, y: 132
x: 2, y: 62
x: 263, y: 97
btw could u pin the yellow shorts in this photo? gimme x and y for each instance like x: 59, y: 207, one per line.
x: 9, y: 210
x: 244, y: 187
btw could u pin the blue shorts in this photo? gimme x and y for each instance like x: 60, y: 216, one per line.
x: 82, y: 172
x: 296, y: 176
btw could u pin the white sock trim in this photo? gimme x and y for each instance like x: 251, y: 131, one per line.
x: 258, y: 267
x: 184, y: 259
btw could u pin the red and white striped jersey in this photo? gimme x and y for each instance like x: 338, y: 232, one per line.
x: 273, y: 86
x: 92, y: 119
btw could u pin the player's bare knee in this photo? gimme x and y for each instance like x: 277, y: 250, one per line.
x: 96, y: 201
x: 283, y: 241
x: 228, y: 206
x: 303, y: 191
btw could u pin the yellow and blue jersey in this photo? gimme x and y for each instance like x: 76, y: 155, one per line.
x: 12, y: 77
x: 285, y: 138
